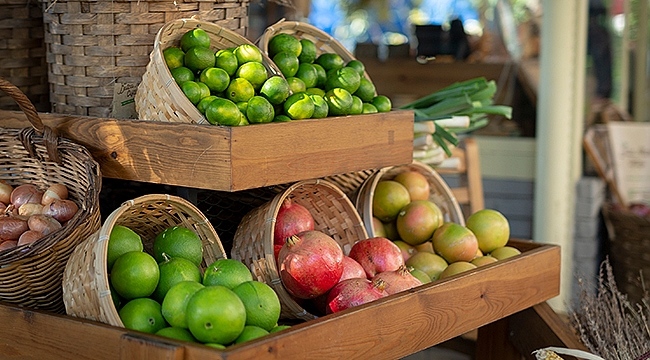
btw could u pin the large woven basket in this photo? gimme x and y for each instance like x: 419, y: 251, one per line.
x: 30, y: 275
x: 334, y: 214
x: 86, y: 290
x: 158, y: 97
x: 22, y: 52
x: 441, y: 194
x: 94, y: 47
x: 629, y: 249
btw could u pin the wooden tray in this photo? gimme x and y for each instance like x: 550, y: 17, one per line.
x: 389, y: 328
x: 236, y: 158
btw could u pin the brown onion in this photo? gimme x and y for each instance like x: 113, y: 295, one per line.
x: 8, y: 244
x: 30, y: 209
x: 43, y: 224
x: 26, y: 193
x: 29, y: 237
x: 5, y: 192
x: 54, y: 192
x: 62, y: 210
x: 12, y: 227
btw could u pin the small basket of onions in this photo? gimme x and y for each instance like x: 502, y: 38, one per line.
x: 49, y: 203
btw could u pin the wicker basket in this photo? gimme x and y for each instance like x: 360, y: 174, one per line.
x: 85, y: 281
x: 333, y: 214
x: 95, y: 46
x: 441, y: 194
x: 158, y: 97
x: 22, y: 52
x: 629, y: 249
x: 31, y: 274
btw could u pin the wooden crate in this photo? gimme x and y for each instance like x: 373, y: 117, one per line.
x: 389, y: 328
x: 236, y: 158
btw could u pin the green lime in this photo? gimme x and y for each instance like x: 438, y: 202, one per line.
x: 142, y: 314
x: 203, y: 104
x: 275, y: 89
x: 315, y: 91
x: 199, y: 58
x: 195, y: 37
x: 254, y: 72
x: 259, y: 110
x: 358, y: 66
x: 309, y: 52
x: 176, y: 333
x: 242, y: 106
x: 308, y: 74
x: 339, y: 101
x: 135, y: 275
x: 299, y: 106
x: 357, y: 105
x: 366, y: 90
x: 296, y: 85
x: 243, y: 120
x: 281, y: 118
x: 287, y: 63
x: 247, y: 53
x: 346, y: 78
x: 284, y: 43
x: 216, y: 346
x: 239, y: 90
x: 382, y: 103
x: 226, y: 59
x: 173, y: 57
x: 321, y: 109
x: 174, y: 305
x: 279, y: 328
x: 121, y: 241
x: 182, y: 74
x: 179, y: 241
x: 322, y: 75
x: 249, y: 333
x: 173, y: 271
x: 261, y: 302
x: 215, y: 78
x: 226, y: 272
x: 330, y: 61
x: 117, y: 300
x: 204, y: 91
x: 220, y: 324
x: 222, y: 112
x: 369, y: 108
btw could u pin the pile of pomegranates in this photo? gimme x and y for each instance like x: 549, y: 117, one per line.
x: 28, y: 213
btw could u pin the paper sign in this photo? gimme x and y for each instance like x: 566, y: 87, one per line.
x: 124, y: 101
x: 630, y: 146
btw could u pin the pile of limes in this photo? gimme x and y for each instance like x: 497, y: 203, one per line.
x: 167, y: 294
x: 232, y: 87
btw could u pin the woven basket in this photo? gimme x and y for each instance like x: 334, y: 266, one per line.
x: 30, y: 275
x: 441, y: 194
x: 158, y: 97
x: 324, y: 42
x: 85, y: 281
x: 333, y: 214
x: 629, y: 249
x: 22, y: 52
x: 93, y: 46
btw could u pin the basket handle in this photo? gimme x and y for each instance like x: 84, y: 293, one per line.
x: 50, y: 138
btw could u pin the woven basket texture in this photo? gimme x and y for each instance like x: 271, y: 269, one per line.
x: 629, y: 249
x: 92, y: 45
x: 86, y: 290
x: 334, y: 214
x: 31, y: 274
x: 441, y: 194
x: 22, y: 53
x: 159, y: 98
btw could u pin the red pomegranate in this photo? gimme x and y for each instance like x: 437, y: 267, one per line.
x: 398, y: 280
x: 352, y: 269
x: 310, y: 264
x: 292, y: 218
x: 377, y: 254
x: 354, y: 292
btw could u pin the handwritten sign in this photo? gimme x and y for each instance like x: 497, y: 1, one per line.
x: 124, y: 101
x: 630, y: 146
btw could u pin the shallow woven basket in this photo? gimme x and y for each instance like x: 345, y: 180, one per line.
x: 95, y: 46
x: 86, y: 290
x: 333, y: 214
x: 30, y: 275
x: 441, y: 194
x: 158, y: 97
x: 629, y: 249
x: 324, y: 42
x: 22, y: 52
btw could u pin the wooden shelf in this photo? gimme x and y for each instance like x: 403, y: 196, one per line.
x: 389, y: 328
x: 236, y: 158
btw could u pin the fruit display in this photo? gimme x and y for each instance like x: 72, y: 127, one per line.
x: 29, y: 213
x: 167, y: 293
